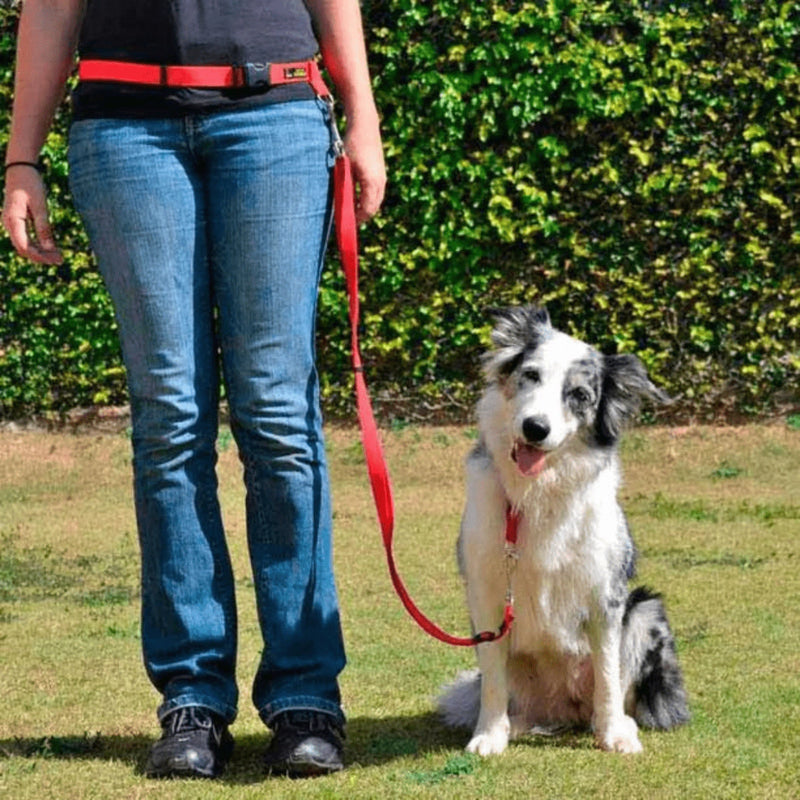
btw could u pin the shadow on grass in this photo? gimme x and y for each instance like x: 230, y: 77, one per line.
x: 371, y: 742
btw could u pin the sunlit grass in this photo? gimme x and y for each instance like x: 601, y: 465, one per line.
x: 714, y: 513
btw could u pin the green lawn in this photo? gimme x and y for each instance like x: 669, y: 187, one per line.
x: 716, y: 516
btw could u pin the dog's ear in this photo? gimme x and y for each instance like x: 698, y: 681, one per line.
x: 520, y: 326
x: 625, y: 384
x: 530, y: 313
x: 517, y: 330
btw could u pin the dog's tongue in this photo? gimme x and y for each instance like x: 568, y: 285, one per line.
x: 530, y: 460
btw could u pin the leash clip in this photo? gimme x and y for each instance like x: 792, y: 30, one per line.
x: 510, y: 553
x: 510, y: 559
x: 510, y: 541
x: 337, y: 142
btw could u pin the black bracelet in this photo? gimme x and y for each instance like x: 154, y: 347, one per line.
x: 35, y: 164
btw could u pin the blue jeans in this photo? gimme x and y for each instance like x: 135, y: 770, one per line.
x: 210, y: 233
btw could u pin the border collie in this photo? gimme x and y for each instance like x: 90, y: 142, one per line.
x: 583, y: 650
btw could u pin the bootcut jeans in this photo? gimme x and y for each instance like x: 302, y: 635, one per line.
x: 210, y: 233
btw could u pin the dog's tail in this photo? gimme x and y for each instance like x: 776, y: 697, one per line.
x: 657, y: 697
x: 460, y: 701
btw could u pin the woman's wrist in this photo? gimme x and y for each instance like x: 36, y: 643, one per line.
x: 363, y: 111
x: 37, y: 165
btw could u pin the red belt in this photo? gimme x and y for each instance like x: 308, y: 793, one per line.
x: 204, y: 77
x: 252, y: 75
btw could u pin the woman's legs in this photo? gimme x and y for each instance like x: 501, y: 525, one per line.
x: 228, y: 211
x: 139, y: 191
x: 269, y: 214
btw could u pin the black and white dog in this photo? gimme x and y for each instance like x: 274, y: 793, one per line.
x: 583, y: 650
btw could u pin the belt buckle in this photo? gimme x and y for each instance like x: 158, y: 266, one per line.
x: 253, y: 74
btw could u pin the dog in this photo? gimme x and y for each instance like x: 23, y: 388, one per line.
x: 583, y: 650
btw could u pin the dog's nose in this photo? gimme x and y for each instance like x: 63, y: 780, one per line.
x: 535, y: 429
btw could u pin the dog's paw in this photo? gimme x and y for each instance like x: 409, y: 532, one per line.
x: 620, y: 736
x: 489, y: 743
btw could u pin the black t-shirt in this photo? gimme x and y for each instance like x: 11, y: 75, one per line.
x: 193, y: 32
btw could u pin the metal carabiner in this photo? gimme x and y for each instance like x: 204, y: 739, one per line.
x: 336, y: 140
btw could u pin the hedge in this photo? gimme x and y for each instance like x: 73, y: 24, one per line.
x: 632, y: 165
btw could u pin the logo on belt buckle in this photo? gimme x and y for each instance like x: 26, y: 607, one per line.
x: 295, y: 73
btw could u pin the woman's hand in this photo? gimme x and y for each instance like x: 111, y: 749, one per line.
x: 46, y: 38
x: 362, y: 143
x: 25, y: 216
x: 341, y: 38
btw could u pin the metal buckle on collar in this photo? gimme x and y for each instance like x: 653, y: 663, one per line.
x: 251, y: 74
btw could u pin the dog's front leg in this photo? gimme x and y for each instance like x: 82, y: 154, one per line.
x: 481, y: 558
x: 613, y: 729
x: 493, y: 728
x: 484, y: 596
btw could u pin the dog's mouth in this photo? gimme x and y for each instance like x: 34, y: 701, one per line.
x: 529, y: 459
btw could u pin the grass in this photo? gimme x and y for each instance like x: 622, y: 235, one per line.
x: 716, y: 516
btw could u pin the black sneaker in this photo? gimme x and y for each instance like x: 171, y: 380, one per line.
x: 195, y: 744
x: 305, y: 744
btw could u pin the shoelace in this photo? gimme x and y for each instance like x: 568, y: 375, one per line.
x: 190, y: 719
x: 304, y: 722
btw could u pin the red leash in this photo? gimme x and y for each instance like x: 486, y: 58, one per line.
x: 347, y: 239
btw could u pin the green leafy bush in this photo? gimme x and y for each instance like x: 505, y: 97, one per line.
x: 633, y: 165
x: 58, y: 346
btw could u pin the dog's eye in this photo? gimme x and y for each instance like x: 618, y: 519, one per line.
x: 532, y: 375
x: 581, y: 396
